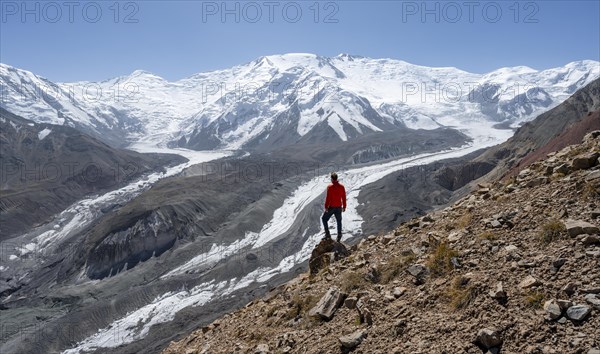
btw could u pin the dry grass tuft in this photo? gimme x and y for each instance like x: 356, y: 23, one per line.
x: 395, y: 267
x: 535, y: 299
x: 464, y: 221
x: 300, y: 305
x: 553, y: 230
x: 352, y: 280
x: 488, y: 235
x: 440, y: 261
x: 461, y: 293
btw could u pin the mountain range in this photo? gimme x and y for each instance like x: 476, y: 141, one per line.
x: 128, y: 265
x: 291, y: 99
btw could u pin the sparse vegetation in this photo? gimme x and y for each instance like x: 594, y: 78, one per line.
x: 589, y: 192
x: 575, y: 150
x: 464, y: 220
x: 298, y: 305
x: 535, y: 299
x: 488, y: 235
x: 461, y: 293
x: 510, y: 180
x: 551, y: 231
x: 440, y: 261
x: 352, y: 280
x: 395, y: 267
x: 271, y: 311
x: 557, y: 176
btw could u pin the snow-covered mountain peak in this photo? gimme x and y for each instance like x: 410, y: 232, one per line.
x: 506, y: 74
x: 284, y: 97
x: 144, y: 74
x: 349, y: 57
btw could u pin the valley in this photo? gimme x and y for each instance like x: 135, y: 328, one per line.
x: 233, y: 209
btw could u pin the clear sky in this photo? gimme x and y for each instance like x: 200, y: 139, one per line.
x: 71, y: 41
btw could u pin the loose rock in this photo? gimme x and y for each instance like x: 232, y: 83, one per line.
x: 328, y: 304
x: 552, y: 309
x: 529, y: 282
x: 262, y: 349
x: 578, y: 312
x: 398, y: 291
x: 593, y: 300
x: 578, y: 227
x: 352, y: 340
x: 498, y: 293
x: 489, y: 338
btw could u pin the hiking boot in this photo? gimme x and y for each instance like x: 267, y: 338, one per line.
x: 339, y: 238
x: 326, y: 237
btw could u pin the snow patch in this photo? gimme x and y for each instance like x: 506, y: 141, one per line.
x: 44, y: 133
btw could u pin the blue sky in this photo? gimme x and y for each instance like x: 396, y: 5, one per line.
x: 99, y: 40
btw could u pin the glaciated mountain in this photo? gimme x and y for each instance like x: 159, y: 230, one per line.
x: 281, y: 100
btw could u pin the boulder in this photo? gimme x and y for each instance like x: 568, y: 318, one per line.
x: 585, y: 161
x: 320, y: 256
x: 552, y: 309
x: 590, y: 240
x: 352, y: 340
x: 328, y: 304
x: 578, y: 227
x: 417, y: 270
x: 489, y: 338
x: 578, y: 312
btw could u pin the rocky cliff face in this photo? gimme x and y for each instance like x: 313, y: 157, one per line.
x: 512, y: 267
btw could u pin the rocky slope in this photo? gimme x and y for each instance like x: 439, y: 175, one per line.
x: 540, y: 131
x: 510, y: 268
x: 46, y: 167
x: 571, y: 136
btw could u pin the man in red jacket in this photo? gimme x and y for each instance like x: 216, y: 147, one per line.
x: 335, y: 204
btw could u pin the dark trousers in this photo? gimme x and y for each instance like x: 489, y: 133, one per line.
x: 338, y: 218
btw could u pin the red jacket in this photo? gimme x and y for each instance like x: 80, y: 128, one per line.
x: 336, y: 195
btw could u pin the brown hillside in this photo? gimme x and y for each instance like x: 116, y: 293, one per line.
x: 570, y: 137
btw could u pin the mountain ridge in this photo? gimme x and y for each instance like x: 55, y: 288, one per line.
x: 47, y: 167
x: 239, y: 107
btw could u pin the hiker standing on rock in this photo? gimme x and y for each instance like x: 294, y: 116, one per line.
x: 335, y: 204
